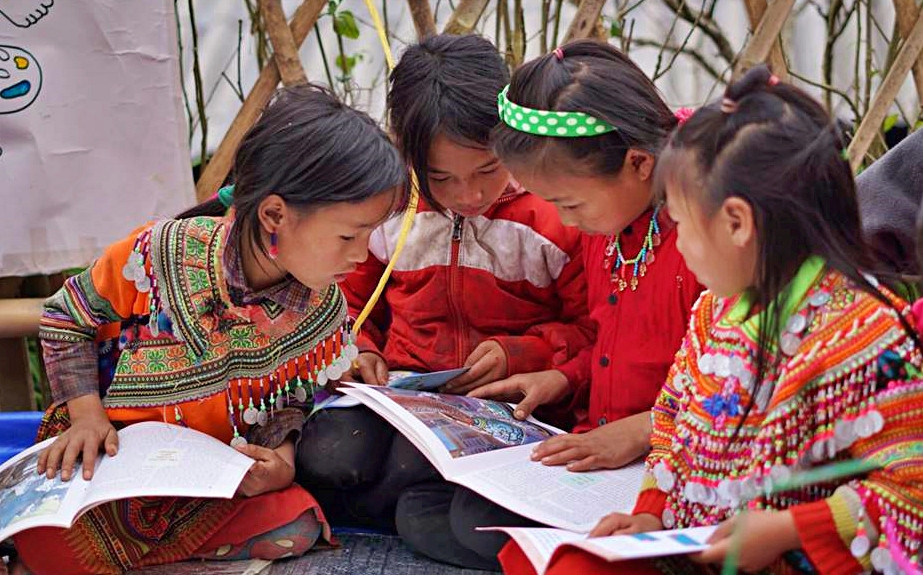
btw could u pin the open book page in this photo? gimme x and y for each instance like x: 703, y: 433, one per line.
x: 451, y: 427
x: 29, y: 500
x: 552, y: 495
x: 399, y: 379
x: 540, y: 545
x: 478, y: 444
x: 160, y: 459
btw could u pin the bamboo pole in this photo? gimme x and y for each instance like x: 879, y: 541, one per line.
x: 220, y: 164
x: 423, y: 20
x: 465, y: 17
x: 755, y: 10
x: 871, y: 123
x: 284, y: 50
x: 907, y: 13
x: 758, y: 48
x: 585, y: 21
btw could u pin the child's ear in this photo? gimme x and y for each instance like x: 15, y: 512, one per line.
x: 737, y: 216
x: 272, y: 213
x: 640, y: 162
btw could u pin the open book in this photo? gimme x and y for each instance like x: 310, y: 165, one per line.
x: 154, y: 459
x: 479, y: 444
x: 540, y: 545
x: 398, y: 379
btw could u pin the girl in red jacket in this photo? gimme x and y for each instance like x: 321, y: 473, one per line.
x: 489, y: 278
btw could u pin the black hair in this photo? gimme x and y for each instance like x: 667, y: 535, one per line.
x: 445, y: 84
x: 776, y: 148
x: 597, y: 79
x: 311, y: 150
x: 211, y: 208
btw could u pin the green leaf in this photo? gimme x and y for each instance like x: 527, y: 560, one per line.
x: 889, y: 123
x: 344, y: 24
x: 346, y: 64
x: 615, y: 29
x: 918, y: 125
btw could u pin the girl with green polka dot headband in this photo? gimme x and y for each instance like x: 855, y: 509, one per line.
x: 549, y: 123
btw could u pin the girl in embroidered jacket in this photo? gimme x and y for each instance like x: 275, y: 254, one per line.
x: 794, y: 358
x: 222, y: 324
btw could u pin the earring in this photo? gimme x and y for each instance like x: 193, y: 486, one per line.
x: 273, y: 245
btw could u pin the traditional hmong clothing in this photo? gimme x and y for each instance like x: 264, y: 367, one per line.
x: 164, y: 328
x: 839, y: 391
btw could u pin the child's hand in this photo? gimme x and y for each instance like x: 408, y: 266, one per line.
x: 622, y: 524
x: 608, y: 447
x: 487, y: 363
x: 372, y: 370
x: 530, y: 389
x: 270, y: 472
x: 764, y: 536
x: 90, y: 429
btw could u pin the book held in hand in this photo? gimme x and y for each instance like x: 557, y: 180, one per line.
x: 478, y: 443
x: 542, y: 545
x: 154, y: 460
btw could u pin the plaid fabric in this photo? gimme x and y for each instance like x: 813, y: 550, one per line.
x: 289, y: 293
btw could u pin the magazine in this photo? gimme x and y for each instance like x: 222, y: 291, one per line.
x: 399, y: 379
x: 540, y: 545
x: 154, y: 459
x: 479, y: 444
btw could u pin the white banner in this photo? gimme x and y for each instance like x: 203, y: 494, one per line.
x: 92, y: 129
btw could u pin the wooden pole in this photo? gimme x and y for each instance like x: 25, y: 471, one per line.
x: 871, y: 123
x: 423, y: 20
x: 755, y: 10
x: 284, y: 49
x: 465, y: 17
x: 760, y: 44
x: 907, y: 13
x: 585, y: 21
x: 220, y: 164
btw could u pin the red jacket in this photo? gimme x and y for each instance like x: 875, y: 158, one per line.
x: 639, y: 331
x: 513, y: 275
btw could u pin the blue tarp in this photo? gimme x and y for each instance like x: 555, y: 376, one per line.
x: 17, y: 431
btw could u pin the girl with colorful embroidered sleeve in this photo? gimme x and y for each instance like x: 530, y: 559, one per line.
x: 794, y: 359
x: 224, y: 325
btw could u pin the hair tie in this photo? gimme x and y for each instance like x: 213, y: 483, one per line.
x: 773, y: 80
x: 728, y: 105
x: 559, y: 54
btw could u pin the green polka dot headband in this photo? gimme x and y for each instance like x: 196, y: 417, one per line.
x: 549, y: 123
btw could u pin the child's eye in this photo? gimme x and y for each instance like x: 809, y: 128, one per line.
x: 347, y: 238
x: 568, y: 208
x: 489, y: 170
x: 439, y: 180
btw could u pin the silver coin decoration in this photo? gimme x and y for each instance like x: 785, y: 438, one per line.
x: 262, y: 418
x: 250, y: 415
x: 301, y: 394
x: 238, y: 442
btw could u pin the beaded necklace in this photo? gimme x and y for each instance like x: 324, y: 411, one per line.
x: 639, y: 263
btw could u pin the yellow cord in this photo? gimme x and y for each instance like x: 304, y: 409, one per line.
x: 414, y: 192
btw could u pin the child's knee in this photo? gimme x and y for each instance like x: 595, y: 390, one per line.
x: 342, y: 448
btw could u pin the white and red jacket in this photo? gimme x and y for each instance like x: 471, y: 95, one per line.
x: 513, y: 275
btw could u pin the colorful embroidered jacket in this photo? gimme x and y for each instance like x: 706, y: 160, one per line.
x: 838, y: 392
x: 163, y: 327
x: 513, y: 275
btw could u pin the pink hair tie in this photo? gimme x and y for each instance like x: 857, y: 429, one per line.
x: 728, y: 106
x: 773, y: 80
x: 559, y: 54
x: 683, y: 114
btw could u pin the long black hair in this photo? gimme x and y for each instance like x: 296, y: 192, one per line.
x: 775, y: 147
x: 445, y: 84
x: 595, y: 78
x: 311, y: 150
